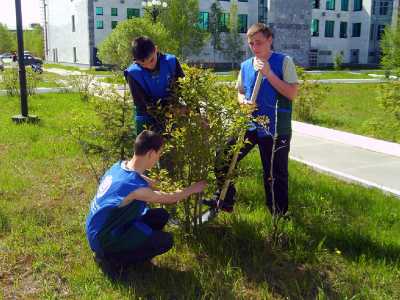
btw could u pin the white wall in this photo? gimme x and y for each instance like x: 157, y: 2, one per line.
x: 59, y: 32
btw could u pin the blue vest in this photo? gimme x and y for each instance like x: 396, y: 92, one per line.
x: 116, y: 184
x: 155, y: 84
x: 268, y: 97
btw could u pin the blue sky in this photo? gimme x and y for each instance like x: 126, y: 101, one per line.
x: 30, y: 12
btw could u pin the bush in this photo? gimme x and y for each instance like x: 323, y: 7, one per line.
x: 309, y: 98
x: 84, y: 84
x: 338, y: 61
x: 111, y: 137
x: 116, y: 48
x: 202, y: 116
x: 10, y: 81
x: 389, y: 96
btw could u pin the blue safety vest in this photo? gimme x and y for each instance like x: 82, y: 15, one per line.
x: 268, y: 97
x: 117, y: 183
x: 155, y: 84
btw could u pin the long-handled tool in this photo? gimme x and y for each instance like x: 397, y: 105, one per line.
x: 213, y: 211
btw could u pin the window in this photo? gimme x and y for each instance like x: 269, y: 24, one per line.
x: 223, y: 22
x: 114, y: 24
x: 345, y: 5
x: 73, y: 23
x: 356, y: 30
x: 383, y: 8
x: 203, y: 20
x: 243, y: 0
x: 330, y: 4
x: 242, y: 23
x: 114, y: 11
x: 343, y: 30
x: 314, y: 27
x: 379, y: 32
x: 99, y: 24
x: 74, y: 54
x: 373, y: 7
x: 315, y: 4
x: 371, y: 32
x: 329, y: 28
x: 132, y: 13
x: 99, y: 11
x: 357, y: 5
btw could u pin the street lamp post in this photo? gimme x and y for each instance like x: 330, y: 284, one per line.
x: 154, y: 8
x: 24, y: 116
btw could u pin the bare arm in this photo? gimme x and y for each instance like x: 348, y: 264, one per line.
x: 289, y: 90
x: 148, y: 195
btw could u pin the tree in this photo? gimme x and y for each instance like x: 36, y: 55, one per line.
x: 33, y: 41
x: 7, y: 40
x: 214, y: 28
x: 389, y: 92
x: 116, y: 48
x: 233, y: 49
x: 390, y: 46
x: 181, y: 19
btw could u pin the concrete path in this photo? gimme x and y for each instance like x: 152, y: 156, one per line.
x: 354, y: 158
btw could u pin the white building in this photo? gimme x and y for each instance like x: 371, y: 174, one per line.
x: 350, y: 28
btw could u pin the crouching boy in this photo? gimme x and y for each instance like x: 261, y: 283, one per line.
x: 120, y: 227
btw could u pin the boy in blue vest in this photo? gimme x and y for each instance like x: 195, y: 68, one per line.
x: 121, y: 228
x: 278, y: 88
x: 151, y: 78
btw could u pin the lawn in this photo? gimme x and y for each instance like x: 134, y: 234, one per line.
x: 342, y: 242
x: 338, y: 75
x: 355, y: 108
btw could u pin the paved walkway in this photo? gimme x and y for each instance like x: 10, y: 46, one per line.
x: 354, y: 158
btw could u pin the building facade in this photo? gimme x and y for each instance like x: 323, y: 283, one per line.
x: 73, y: 29
x: 351, y: 29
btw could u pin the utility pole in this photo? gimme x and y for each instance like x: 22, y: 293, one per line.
x: 24, y: 116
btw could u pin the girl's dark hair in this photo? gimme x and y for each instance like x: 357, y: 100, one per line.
x: 142, y: 48
x: 146, y: 141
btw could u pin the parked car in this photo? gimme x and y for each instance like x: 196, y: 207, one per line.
x: 31, y: 60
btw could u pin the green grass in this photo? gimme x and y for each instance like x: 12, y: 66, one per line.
x: 355, y: 108
x: 60, y: 66
x: 343, y: 241
x: 339, y: 75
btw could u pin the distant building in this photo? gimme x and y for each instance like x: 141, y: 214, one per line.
x: 73, y: 29
x: 350, y: 28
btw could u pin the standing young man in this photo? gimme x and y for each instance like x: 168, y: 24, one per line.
x: 151, y: 78
x: 120, y: 227
x: 278, y: 89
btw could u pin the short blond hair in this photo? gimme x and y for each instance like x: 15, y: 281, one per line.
x: 259, y: 27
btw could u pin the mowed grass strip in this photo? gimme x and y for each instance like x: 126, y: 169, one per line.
x: 342, y: 241
x: 356, y: 108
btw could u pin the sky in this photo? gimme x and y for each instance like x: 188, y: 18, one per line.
x: 30, y: 12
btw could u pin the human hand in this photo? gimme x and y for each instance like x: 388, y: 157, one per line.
x: 262, y: 66
x: 198, y: 187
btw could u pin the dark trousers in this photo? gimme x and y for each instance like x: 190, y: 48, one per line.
x: 158, y: 243
x: 280, y: 169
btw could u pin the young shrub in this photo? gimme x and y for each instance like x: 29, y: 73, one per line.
x: 202, y: 116
x: 309, y: 98
x: 338, y: 61
x: 389, y: 97
x: 111, y: 136
x: 10, y: 81
x: 83, y: 84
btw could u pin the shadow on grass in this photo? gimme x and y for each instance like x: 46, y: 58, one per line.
x: 243, y: 247
x: 347, y: 220
x: 149, y: 281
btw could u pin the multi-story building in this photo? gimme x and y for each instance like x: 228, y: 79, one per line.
x: 349, y: 28
x: 75, y: 28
